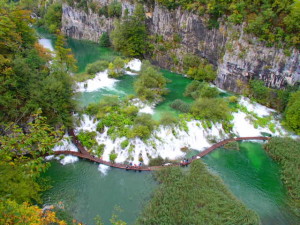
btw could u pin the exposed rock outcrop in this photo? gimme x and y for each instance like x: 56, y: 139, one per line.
x: 237, y: 56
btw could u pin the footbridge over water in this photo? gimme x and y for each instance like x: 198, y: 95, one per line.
x: 84, y: 154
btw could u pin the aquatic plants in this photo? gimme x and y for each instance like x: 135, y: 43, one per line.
x: 194, y: 197
x: 287, y: 152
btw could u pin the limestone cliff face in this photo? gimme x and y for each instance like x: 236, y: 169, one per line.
x: 237, y: 56
x: 81, y: 25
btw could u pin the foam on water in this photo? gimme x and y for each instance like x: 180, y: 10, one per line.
x: 259, y: 109
x: 46, y: 43
x: 134, y: 65
x: 103, y: 169
x: 101, y: 80
x: 65, y: 144
x: 165, y: 142
x: 68, y: 159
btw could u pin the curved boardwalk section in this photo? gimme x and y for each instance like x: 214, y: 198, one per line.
x: 84, y: 154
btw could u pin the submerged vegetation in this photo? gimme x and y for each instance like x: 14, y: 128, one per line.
x: 194, y: 197
x: 287, y: 152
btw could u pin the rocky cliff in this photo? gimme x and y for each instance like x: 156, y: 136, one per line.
x: 237, y: 56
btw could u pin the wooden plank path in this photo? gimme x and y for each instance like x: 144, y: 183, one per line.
x: 84, y: 154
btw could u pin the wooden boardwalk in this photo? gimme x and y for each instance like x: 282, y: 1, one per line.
x: 84, y: 154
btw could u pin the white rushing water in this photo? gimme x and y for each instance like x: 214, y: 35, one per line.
x: 46, y: 43
x: 101, y: 80
x: 167, y: 142
x: 65, y: 145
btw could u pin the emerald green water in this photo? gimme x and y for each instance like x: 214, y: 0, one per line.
x: 86, y: 193
x: 254, y: 178
x: 250, y: 174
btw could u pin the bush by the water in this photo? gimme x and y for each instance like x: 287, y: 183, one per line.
x: 97, y: 66
x: 198, y: 68
x: 87, y: 138
x: 116, y: 68
x: 168, y: 119
x: 287, y: 152
x: 292, y: 112
x: 104, y: 40
x: 181, y: 106
x: 198, y: 89
x: 214, y: 109
x: 194, y: 197
x: 151, y: 84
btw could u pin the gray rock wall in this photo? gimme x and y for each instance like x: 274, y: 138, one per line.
x: 237, y: 56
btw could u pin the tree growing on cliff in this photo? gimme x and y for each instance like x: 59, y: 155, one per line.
x: 130, y: 34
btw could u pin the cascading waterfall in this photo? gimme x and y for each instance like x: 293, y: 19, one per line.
x: 166, y: 142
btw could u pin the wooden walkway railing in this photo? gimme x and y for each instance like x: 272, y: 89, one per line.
x: 84, y: 154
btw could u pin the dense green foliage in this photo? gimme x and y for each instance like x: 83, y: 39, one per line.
x: 121, y: 118
x: 198, y: 68
x: 98, y: 66
x: 181, y: 106
x: 104, y: 40
x: 292, y: 112
x: 87, y: 139
x: 213, y: 109
x: 194, y: 197
x: 168, y: 119
x: 287, y: 152
x: 28, y: 82
x: 52, y: 18
x: 114, y: 9
x: 116, y: 68
x: 21, y: 159
x: 272, y: 21
x: 130, y: 34
x: 198, y: 89
x: 151, y: 84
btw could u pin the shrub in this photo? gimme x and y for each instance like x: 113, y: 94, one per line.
x: 100, y: 149
x: 211, y: 109
x: 113, y: 157
x: 97, y: 66
x: 124, y: 144
x: 158, y: 161
x: 114, y: 9
x: 198, y: 89
x: 104, y: 40
x: 116, y: 68
x: 181, y: 106
x: 168, y: 119
x: 87, y: 138
x: 151, y: 84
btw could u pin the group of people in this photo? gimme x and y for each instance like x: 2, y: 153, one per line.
x: 184, y: 162
x: 134, y: 166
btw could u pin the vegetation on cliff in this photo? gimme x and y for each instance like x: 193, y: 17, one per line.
x: 194, y: 197
x: 272, y: 21
x: 287, y: 152
x: 130, y: 34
